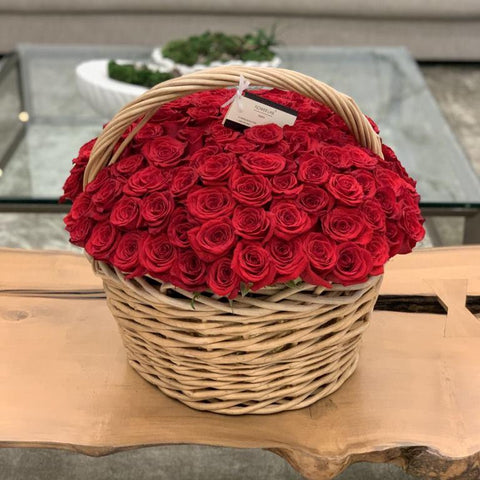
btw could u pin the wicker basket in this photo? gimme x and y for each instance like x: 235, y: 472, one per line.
x: 279, y: 349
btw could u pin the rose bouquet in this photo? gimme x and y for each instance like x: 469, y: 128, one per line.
x: 203, y: 207
x: 241, y: 267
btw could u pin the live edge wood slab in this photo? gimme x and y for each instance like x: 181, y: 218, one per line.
x: 414, y: 400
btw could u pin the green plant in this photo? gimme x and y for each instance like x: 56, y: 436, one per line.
x: 210, y: 47
x: 138, y: 75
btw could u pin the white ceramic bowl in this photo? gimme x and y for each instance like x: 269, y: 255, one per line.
x: 162, y: 61
x: 105, y: 95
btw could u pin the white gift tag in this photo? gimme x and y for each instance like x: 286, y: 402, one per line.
x: 250, y: 110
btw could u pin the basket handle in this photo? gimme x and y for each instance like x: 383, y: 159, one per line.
x: 147, y: 104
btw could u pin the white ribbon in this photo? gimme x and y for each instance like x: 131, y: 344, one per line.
x: 243, y: 84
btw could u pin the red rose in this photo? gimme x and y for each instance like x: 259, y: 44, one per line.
x: 412, y: 223
x: 163, y: 151
x: 286, y: 185
x: 170, y: 112
x: 396, y: 238
x: 367, y: 181
x: 149, y: 179
x: 337, y: 138
x: 172, y: 127
x: 386, y: 197
x: 193, y: 136
x: 125, y: 255
x: 73, y: 185
x: 86, y: 150
x: 79, y: 229
x: 264, y: 134
x: 291, y: 167
x: 280, y: 148
x: 210, y: 97
x: 307, y: 109
x: 391, y: 161
x: 221, y: 278
x: 221, y: 134
x: 184, y: 179
x: 210, y: 202
x: 105, y: 197
x: 127, y: 166
x: 102, y: 241
x: 253, y: 223
x: 313, y: 170
x: 203, y: 113
x: 126, y: 213
x: 254, y: 190
x: 171, y: 118
x: 299, y: 140
x: 321, y: 253
x: 379, y: 250
x: 353, y: 265
x: 240, y: 145
x: 314, y: 200
x: 290, y: 221
x: 337, y: 122
x: 95, y: 185
x: 253, y: 264
x: 81, y: 206
x: 263, y: 163
x: 360, y: 157
x: 189, y: 272
x: 213, y: 239
x: 389, y: 179
x: 409, y: 199
x: 346, y: 189
x: 275, y: 95
x: 374, y: 214
x: 179, y: 226
x: 216, y: 168
x: 200, y: 156
x: 287, y: 258
x: 344, y: 224
x: 157, y: 208
x: 148, y: 132
x: 335, y: 157
x: 157, y: 255
x: 304, y: 127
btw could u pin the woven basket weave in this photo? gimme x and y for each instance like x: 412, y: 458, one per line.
x: 278, y: 349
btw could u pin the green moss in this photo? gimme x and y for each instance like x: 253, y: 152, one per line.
x: 130, y: 73
x: 203, y: 49
x: 210, y: 47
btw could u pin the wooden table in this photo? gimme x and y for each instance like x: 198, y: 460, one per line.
x: 414, y: 400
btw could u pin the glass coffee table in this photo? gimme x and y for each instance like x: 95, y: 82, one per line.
x: 44, y: 121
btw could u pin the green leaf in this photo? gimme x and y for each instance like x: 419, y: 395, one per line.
x: 245, y: 288
x: 194, y: 298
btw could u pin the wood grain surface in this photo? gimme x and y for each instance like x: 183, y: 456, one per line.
x: 65, y: 382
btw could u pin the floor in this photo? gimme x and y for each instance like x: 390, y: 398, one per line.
x: 457, y: 89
